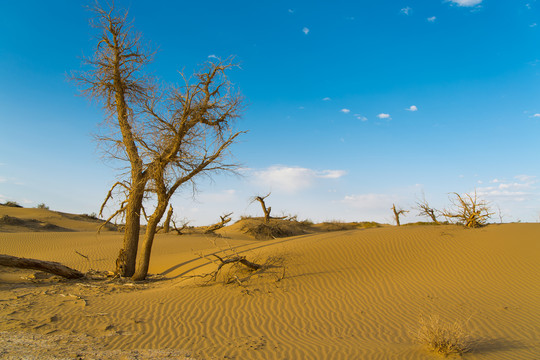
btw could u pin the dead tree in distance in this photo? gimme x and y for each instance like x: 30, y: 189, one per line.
x: 397, y: 213
x: 224, y: 220
x: 426, y: 210
x: 266, y: 210
x: 469, y: 210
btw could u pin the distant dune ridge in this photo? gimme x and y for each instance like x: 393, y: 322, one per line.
x: 349, y: 294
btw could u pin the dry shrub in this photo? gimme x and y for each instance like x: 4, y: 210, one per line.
x: 443, y: 338
x: 275, y: 228
x: 469, y: 211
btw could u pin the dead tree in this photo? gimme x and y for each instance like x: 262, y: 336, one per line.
x: 189, y: 135
x: 425, y: 210
x: 166, y: 224
x: 47, y: 266
x: 266, y: 210
x: 183, y: 226
x: 115, y: 79
x: 468, y: 211
x: 398, y: 213
x: 224, y: 220
x: 169, y: 136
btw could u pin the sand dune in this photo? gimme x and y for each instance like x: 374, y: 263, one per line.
x: 354, y: 294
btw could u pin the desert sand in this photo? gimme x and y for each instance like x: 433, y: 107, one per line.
x: 353, y: 294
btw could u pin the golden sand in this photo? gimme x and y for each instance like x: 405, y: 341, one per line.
x: 355, y: 294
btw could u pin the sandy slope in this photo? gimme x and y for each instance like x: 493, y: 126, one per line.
x: 345, y: 295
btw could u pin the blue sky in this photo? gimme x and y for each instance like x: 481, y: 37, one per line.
x: 352, y: 106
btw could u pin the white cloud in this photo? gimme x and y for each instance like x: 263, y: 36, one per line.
x: 212, y: 56
x: 536, y: 115
x: 384, y: 116
x: 412, y: 108
x: 466, y: 3
x: 406, y: 10
x: 326, y: 99
x: 305, y: 30
x: 330, y: 174
x: 2, y: 179
x: 291, y: 179
x: 360, y: 117
x: 533, y: 25
x: 432, y: 19
x: 290, y: 11
x: 521, y: 190
x: 346, y: 111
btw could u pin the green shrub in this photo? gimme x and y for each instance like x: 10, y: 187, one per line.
x: 42, y: 206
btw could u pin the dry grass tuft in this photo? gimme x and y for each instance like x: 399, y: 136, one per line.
x: 443, y: 338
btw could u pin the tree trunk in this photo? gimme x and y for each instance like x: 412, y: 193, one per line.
x: 47, y: 266
x: 144, y: 257
x: 167, y: 224
x: 125, y: 264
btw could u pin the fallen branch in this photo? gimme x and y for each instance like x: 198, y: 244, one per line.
x: 47, y: 266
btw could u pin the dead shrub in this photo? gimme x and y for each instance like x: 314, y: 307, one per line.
x: 443, y: 338
x: 468, y: 210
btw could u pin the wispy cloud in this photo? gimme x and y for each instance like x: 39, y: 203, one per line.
x: 345, y: 111
x: 225, y: 196
x: 290, y: 11
x: 291, y: 179
x: 466, y: 3
x: 212, y: 56
x: 384, y: 116
x: 3, y: 179
x: 326, y: 99
x: 432, y: 19
x: 520, y: 189
x: 412, y: 108
x: 360, y: 117
x: 305, y: 30
x: 406, y: 10
x: 533, y: 25
x: 536, y: 115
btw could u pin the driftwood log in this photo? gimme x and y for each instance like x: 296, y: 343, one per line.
x: 47, y: 266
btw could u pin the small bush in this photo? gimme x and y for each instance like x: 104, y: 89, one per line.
x: 12, y: 204
x: 275, y: 228
x: 42, y: 206
x: 92, y: 216
x: 443, y: 338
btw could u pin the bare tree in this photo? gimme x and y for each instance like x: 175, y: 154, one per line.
x: 398, y: 213
x: 116, y: 81
x: 469, y: 210
x: 266, y: 210
x: 224, y: 220
x: 426, y: 210
x: 183, y: 225
x: 168, y: 135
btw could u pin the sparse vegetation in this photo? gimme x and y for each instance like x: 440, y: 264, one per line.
x: 275, y: 228
x: 443, y: 338
x: 12, y: 204
x: 468, y: 210
x: 42, y: 206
